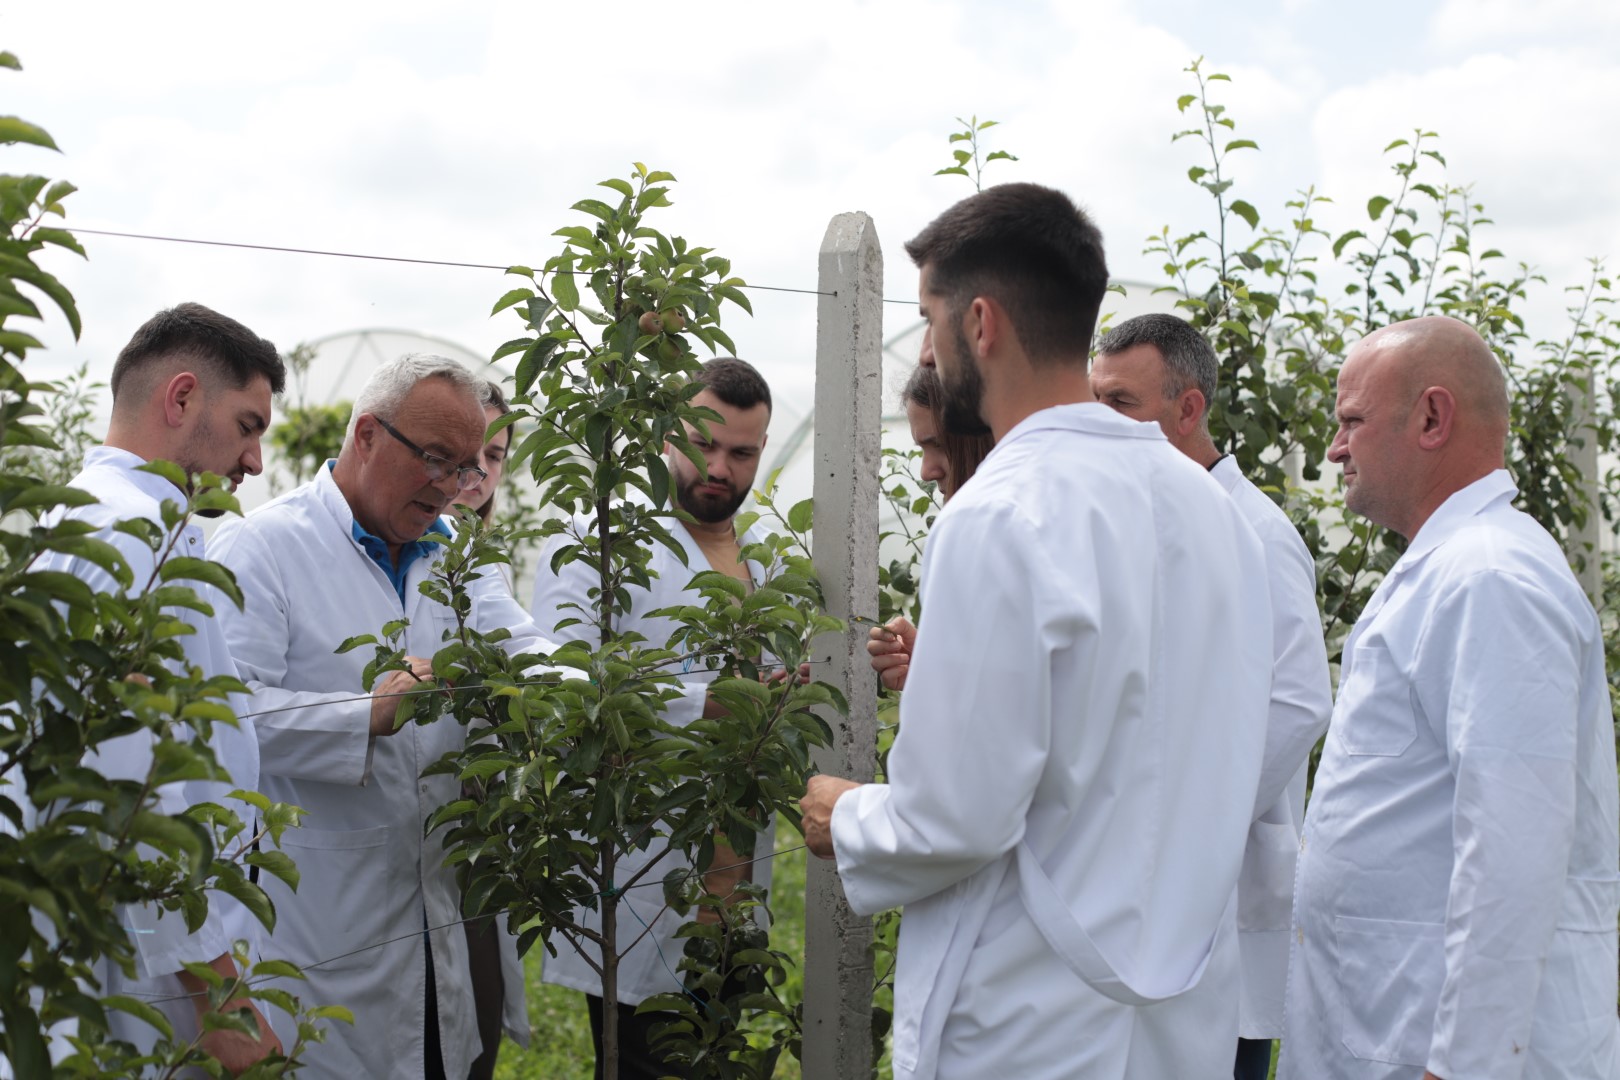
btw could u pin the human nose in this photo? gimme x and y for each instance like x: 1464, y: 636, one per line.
x: 718, y: 465
x: 925, y: 357
x: 253, y: 460
x: 1339, y: 449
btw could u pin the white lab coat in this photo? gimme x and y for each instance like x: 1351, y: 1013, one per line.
x: 1458, y: 886
x: 1301, y: 702
x: 160, y: 940
x: 1079, y: 749
x: 642, y: 970
x: 368, y: 873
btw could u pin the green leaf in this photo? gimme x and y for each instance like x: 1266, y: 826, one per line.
x: 1393, y: 145
x: 141, y: 1011
x: 514, y: 296
x: 800, y: 517
x: 1345, y: 238
x: 1375, y: 207
x: 1242, y: 144
x: 49, y: 495
x: 1248, y: 213
x: 13, y: 130
x: 1185, y: 100
x: 185, y: 568
x: 563, y: 287
x: 621, y: 186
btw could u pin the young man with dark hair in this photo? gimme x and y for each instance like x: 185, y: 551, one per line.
x: 1159, y: 369
x: 1083, y: 721
x: 192, y: 387
x: 731, y: 451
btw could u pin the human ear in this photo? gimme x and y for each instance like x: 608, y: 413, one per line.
x: 1189, y: 410
x: 181, y: 393
x: 1437, y: 410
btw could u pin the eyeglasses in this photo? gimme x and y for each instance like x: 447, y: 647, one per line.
x: 436, y: 467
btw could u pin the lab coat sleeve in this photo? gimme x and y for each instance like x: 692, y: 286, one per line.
x: 306, y: 735
x: 975, y: 721
x: 498, y: 610
x: 161, y: 942
x: 1499, y: 680
x: 1301, y: 690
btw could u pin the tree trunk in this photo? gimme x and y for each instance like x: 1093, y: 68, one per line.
x: 610, y: 968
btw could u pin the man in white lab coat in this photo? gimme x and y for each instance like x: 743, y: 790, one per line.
x: 341, y: 556
x: 1084, y: 718
x: 1157, y: 368
x: 192, y: 387
x: 731, y: 454
x: 1458, y: 881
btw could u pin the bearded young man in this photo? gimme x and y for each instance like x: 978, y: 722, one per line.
x: 731, y: 452
x: 1082, y: 727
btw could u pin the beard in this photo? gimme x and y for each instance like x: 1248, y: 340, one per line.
x: 709, y: 508
x: 963, y: 393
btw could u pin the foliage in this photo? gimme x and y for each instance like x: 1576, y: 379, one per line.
x: 969, y: 134
x: 83, y: 668
x: 308, y: 433
x: 579, y: 766
x: 1283, y: 305
x: 68, y: 412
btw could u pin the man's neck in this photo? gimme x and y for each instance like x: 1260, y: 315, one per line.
x: 1201, y: 448
x: 131, y: 439
x: 1036, y: 389
x: 713, y: 532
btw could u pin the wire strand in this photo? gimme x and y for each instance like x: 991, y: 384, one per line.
x: 242, y: 245
x: 614, y: 891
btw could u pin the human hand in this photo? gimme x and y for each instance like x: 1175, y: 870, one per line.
x: 780, y: 675
x: 890, y: 647
x: 385, y: 695
x: 237, y: 1050
x: 821, y: 794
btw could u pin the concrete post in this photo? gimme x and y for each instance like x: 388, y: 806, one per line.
x: 849, y: 390
x: 1586, y: 543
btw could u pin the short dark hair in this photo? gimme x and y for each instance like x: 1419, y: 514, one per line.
x: 735, y: 382
x: 229, y: 351
x: 1033, y: 251
x: 964, y: 453
x: 1189, y: 359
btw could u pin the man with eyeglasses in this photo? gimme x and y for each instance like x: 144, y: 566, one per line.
x: 343, y: 555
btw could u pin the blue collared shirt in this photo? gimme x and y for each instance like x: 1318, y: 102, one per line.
x: 377, y: 548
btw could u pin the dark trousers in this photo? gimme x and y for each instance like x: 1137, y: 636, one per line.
x: 1253, y: 1060
x: 433, y: 1057
x: 489, y: 991
x: 637, y: 1061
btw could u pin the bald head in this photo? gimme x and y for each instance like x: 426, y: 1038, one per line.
x: 1423, y: 413
x: 1440, y: 351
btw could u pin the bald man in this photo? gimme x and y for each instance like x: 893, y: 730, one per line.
x: 1458, y: 882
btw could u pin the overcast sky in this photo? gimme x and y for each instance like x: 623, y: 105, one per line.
x: 465, y: 132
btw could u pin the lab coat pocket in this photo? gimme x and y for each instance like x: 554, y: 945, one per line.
x: 1390, y: 975
x: 1266, y: 885
x: 342, y: 903
x: 1374, y: 714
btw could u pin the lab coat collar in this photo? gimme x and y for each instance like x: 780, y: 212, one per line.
x: 1089, y: 417
x: 113, y: 457
x: 1459, y: 508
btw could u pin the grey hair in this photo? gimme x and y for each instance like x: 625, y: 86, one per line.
x: 1189, y: 359
x: 393, y: 381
